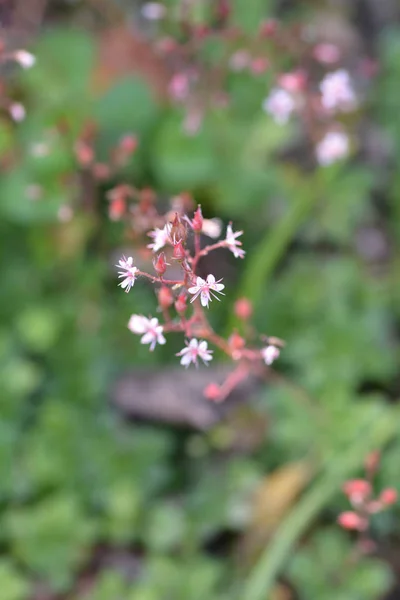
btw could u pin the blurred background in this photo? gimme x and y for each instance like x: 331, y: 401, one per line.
x: 118, y: 480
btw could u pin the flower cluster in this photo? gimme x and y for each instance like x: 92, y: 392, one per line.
x: 335, y: 94
x: 364, y: 503
x: 183, y: 302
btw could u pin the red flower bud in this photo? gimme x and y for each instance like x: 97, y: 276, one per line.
x: 268, y: 28
x: 236, y: 342
x: 388, y: 496
x: 243, y: 309
x: 128, y: 144
x: 179, y: 252
x: 180, y: 304
x: 212, y: 392
x: 165, y: 297
x: 351, y: 520
x: 160, y: 264
x: 197, y: 222
x: 357, y: 490
x: 117, y: 209
x: 101, y: 171
x: 84, y: 153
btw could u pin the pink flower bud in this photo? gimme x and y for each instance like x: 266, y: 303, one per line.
x: 160, y: 264
x: 179, y: 252
x: 236, y: 342
x: 212, y: 392
x: 128, y: 144
x: 388, y: 496
x: 84, y: 153
x: 351, y: 520
x: 372, y: 461
x: 180, y: 304
x: 243, y: 309
x: 357, y: 490
x: 259, y: 65
x: 268, y: 28
x: 101, y: 171
x: 117, y: 209
x: 197, y: 222
x: 165, y: 297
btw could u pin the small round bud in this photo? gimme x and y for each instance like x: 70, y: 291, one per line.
x: 243, y: 309
x: 128, y: 144
x: 165, y: 297
x: 236, y: 342
x: 84, y: 153
x: 212, y: 392
x: 351, y: 520
x: 357, y: 490
x: 180, y: 304
x: 388, y: 496
x: 197, y: 222
x: 179, y: 252
x: 259, y: 65
x: 117, y: 209
x: 160, y: 264
x: 101, y: 171
x: 268, y: 28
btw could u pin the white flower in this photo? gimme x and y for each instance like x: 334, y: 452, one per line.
x: 280, y: 104
x: 17, y: 111
x: 269, y: 354
x: 160, y: 237
x: 153, y: 11
x: 127, y: 273
x: 337, y: 91
x: 193, y: 351
x: 234, y: 244
x: 212, y: 227
x: 153, y: 332
x: 333, y: 146
x: 25, y: 59
x: 206, y: 289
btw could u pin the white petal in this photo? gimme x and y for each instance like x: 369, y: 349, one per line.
x: 210, y: 279
x: 205, y: 298
x: 161, y: 339
x: 186, y: 360
x: 147, y: 338
x: 137, y: 324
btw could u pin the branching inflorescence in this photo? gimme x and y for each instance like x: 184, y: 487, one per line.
x: 184, y: 302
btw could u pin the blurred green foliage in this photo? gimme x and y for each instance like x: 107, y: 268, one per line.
x: 76, y: 479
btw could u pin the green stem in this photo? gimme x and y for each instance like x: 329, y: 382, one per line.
x: 262, y: 578
x: 265, y: 257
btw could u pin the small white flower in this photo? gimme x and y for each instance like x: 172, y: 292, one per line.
x: 280, y: 105
x: 17, y: 111
x: 269, y: 354
x: 153, y: 11
x: 337, y: 91
x: 234, y: 244
x: 206, y: 289
x: 333, y: 146
x: 25, y: 59
x: 160, y: 238
x: 128, y: 273
x: 212, y: 227
x: 153, y: 332
x: 193, y: 351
